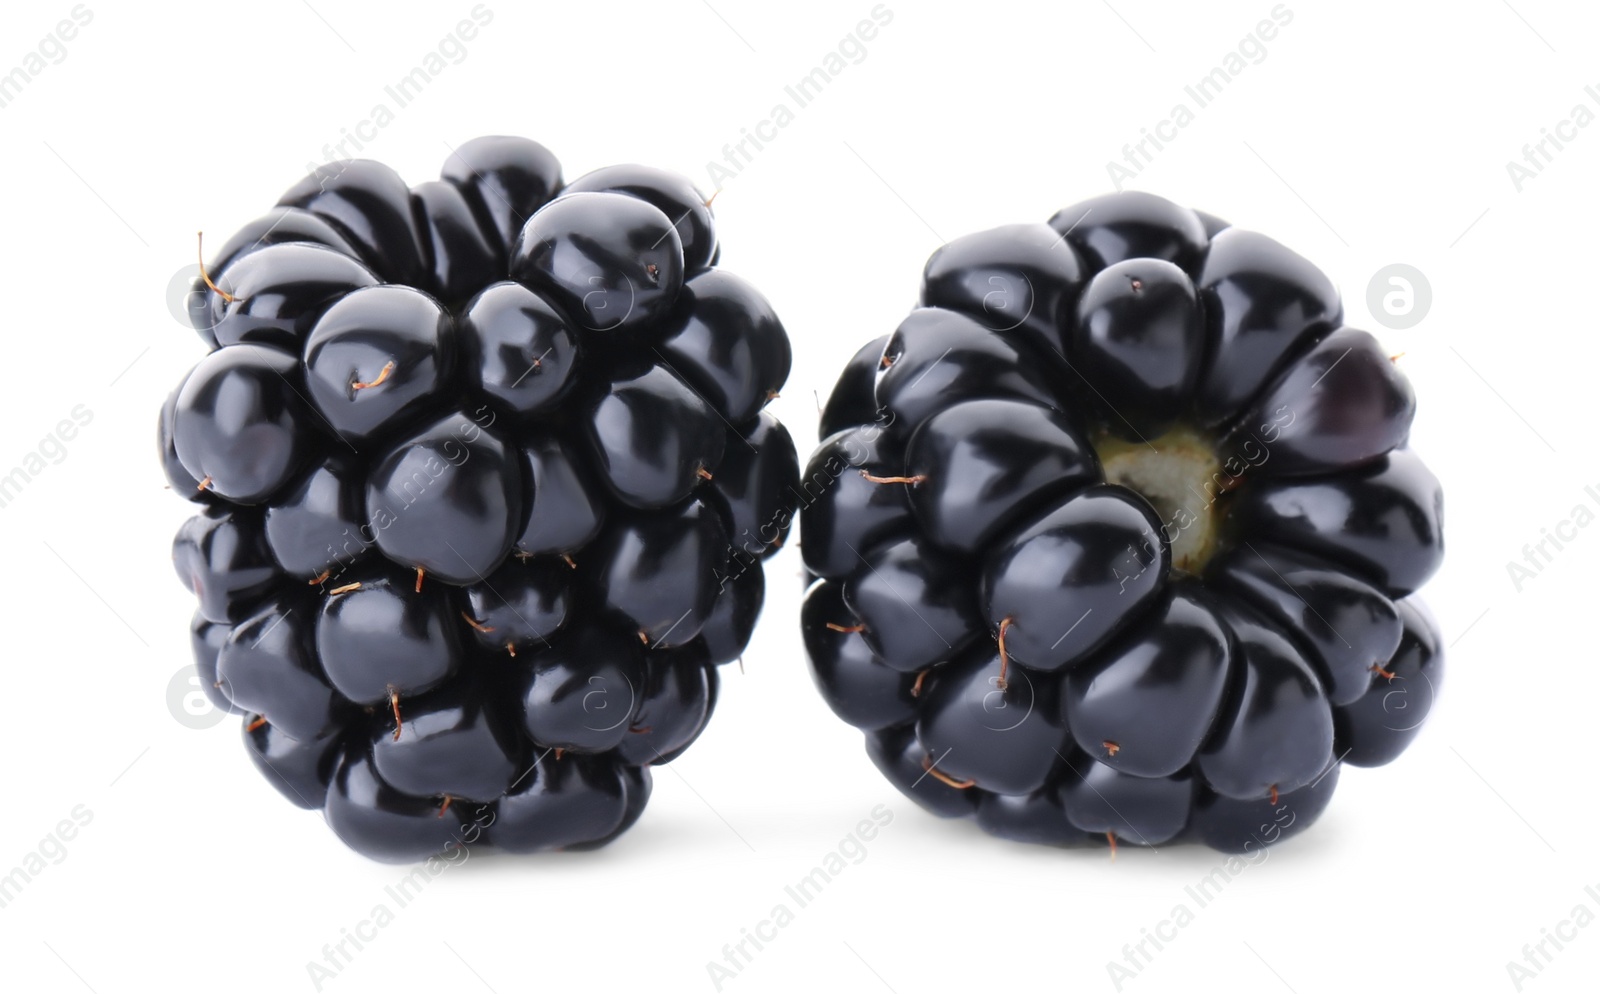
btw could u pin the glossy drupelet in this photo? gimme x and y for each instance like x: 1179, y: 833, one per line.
x: 1115, y: 537
x: 487, y: 482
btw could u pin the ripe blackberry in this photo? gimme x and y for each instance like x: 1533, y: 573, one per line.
x: 488, y: 483
x: 1114, y: 537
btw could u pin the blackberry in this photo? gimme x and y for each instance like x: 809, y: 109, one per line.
x: 487, y: 483
x: 1115, y: 537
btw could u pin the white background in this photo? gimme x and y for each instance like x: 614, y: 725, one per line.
x: 1371, y: 133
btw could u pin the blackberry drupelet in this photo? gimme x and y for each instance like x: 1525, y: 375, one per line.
x: 487, y: 483
x: 1115, y: 537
